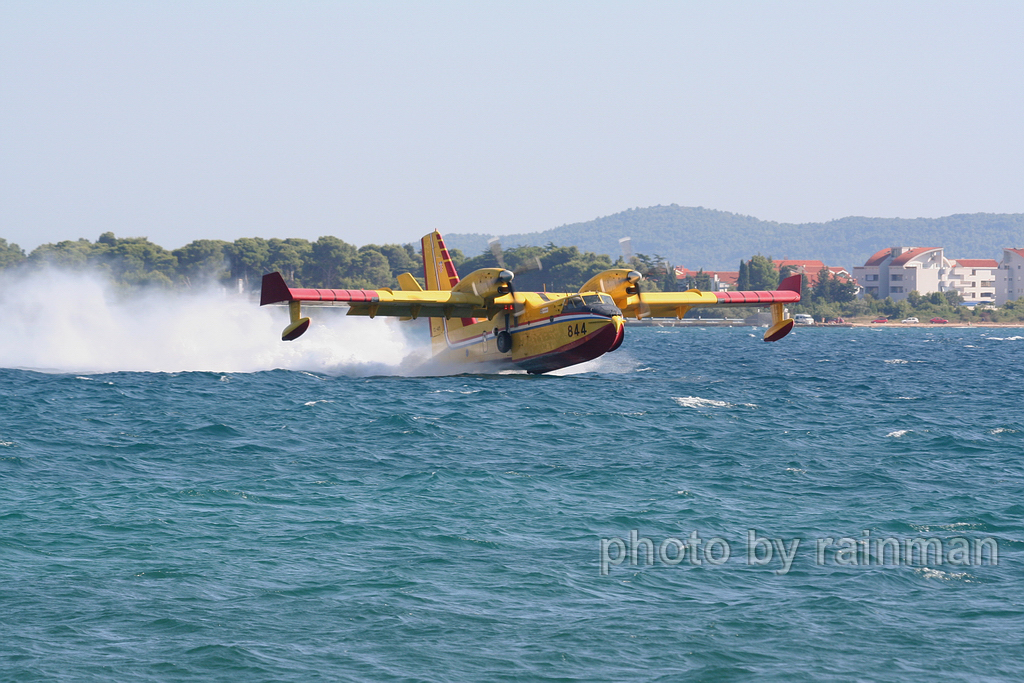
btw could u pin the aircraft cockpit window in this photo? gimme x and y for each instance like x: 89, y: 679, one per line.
x: 574, y: 301
x: 602, y: 304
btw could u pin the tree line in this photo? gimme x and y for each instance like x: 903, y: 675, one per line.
x: 132, y: 262
x: 328, y: 262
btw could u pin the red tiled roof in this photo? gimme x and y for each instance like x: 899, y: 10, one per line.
x: 807, y: 266
x: 811, y: 269
x: 727, y: 276
x: 906, y: 256
x: 730, y: 277
x: 978, y: 263
x: 878, y: 257
x: 1018, y: 252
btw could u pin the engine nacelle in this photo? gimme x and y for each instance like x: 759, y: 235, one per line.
x: 619, y: 283
x: 486, y: 283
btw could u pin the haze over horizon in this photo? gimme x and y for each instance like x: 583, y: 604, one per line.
x: 378, y: 123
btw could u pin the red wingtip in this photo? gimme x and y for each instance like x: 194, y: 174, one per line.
x: 791, y: 284
x: 274, y: 290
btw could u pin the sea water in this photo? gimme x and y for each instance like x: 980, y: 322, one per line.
x: 698, y: 505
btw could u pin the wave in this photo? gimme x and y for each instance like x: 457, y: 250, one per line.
x: 698, y: 402
x: 57, y: 321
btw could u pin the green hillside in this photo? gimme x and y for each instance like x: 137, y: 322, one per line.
x: 717, y: 240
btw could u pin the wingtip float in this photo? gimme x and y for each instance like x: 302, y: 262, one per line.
x: 482, y: 318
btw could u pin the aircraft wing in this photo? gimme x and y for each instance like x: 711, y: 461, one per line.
x: 664, y: 304
x: 374, y: 302
x: 676, y: 304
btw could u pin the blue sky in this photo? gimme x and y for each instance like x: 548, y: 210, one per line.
x: 378, y: 122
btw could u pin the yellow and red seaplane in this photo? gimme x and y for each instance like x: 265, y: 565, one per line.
x: 483, y: 319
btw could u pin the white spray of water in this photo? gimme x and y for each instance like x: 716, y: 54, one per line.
x: 73, y: 322
x: 619, y: 363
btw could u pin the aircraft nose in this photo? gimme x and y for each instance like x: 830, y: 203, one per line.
x: 620, y: 332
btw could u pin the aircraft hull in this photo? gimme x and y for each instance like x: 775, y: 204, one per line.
x: 538, y: 346
x: 595, y: 344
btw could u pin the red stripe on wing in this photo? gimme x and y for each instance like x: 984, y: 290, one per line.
x: 784, y: 297
x: 339, y: 295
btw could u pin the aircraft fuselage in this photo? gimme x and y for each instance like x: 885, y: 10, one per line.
x: 544, y: 332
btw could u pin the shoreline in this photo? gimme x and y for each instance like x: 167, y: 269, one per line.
x: 690, y: 322
x: 930, y: 326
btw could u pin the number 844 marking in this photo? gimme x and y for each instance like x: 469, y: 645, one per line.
x: 577, y: 330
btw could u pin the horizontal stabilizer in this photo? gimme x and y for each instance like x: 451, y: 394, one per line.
x: 408, y: 283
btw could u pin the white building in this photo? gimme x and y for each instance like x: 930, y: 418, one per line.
x: 1010, y: 276
x: 897, y: 271
x: 974, y: 279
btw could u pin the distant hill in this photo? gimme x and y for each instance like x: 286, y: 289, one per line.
x: 717, y: 240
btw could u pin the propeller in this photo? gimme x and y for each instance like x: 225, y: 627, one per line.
x: 626, y: 245
x: 633, y: 278
x: 494, y: 244
x: 503, y: 339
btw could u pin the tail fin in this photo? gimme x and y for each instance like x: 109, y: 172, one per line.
x: 438, y: 269
x: 439, y: 274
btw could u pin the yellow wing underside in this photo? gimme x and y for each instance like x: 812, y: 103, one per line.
x: 434, y: 304
x: 664, y: 304
x: 475, y: 297
x: 423, y: 304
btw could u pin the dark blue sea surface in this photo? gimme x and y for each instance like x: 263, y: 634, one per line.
x: 300, y: 526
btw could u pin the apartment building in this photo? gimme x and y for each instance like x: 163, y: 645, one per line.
x: 974, y: 279
x: 897, y: 271
x: 1010, y: 276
